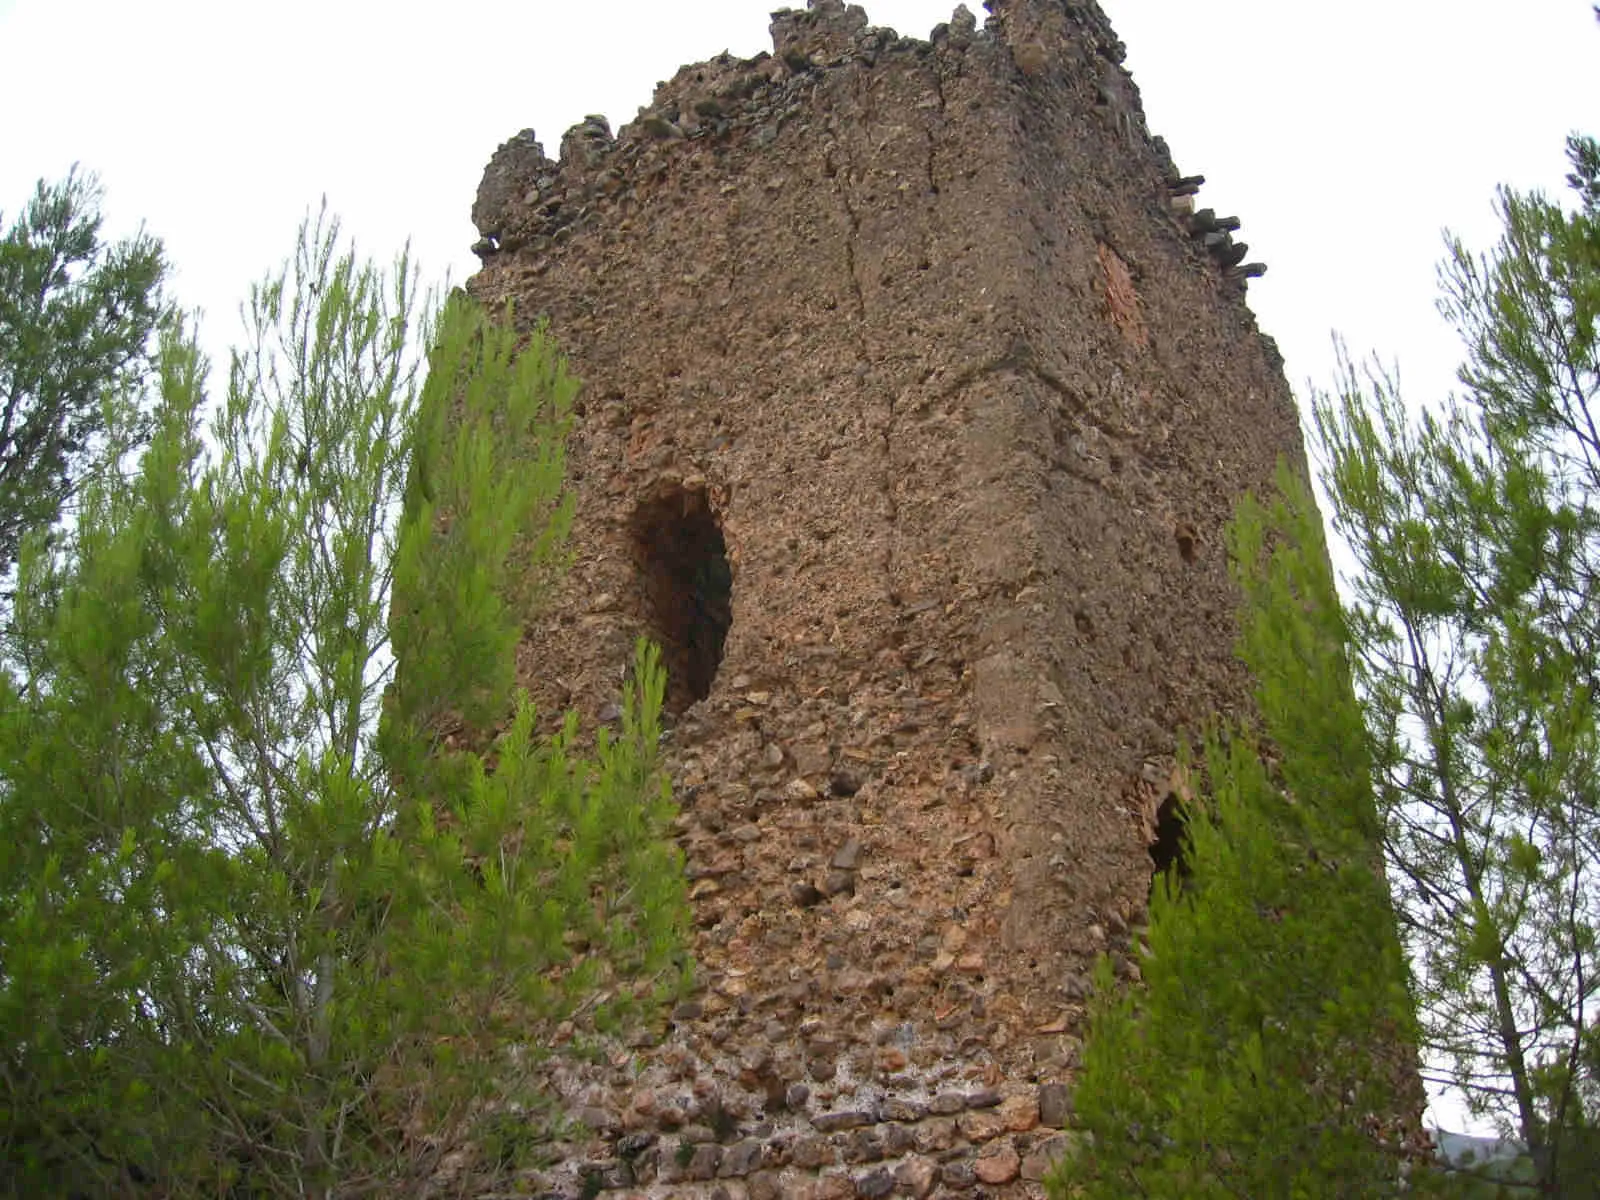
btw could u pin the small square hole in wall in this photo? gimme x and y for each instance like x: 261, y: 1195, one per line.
x: 679, y: 550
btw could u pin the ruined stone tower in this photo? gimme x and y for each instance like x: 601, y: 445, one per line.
x: 914, y: 404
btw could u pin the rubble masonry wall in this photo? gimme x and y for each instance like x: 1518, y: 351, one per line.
x: 921, y: 328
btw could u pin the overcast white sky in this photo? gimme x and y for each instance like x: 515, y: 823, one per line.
x: 1346, y: 135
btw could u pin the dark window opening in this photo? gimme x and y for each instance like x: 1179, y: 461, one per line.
x: 688, y: 589
x: 1169, y: 851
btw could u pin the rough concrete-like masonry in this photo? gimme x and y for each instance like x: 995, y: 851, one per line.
x: 913, y: 412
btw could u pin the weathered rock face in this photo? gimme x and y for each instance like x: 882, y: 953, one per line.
x: 913, y: 412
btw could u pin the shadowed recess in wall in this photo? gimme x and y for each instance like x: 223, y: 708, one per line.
x: 1169, y: 851
x: 688, y: 589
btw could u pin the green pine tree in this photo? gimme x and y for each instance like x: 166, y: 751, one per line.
x: 1472, y: 638
x: 267, y: 927
x: 1476, y: 643
x: 1266, y: 1054
x: 77, y: 319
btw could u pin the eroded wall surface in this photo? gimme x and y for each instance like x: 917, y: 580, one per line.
x: 920, y: 331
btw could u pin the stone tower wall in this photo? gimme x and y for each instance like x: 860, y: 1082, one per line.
x: 916, y: 331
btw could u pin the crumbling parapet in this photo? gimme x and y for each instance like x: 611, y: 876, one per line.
x: 528, y: 199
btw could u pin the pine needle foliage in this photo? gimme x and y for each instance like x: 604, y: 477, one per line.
x: 1471, y: 638
x: 1475, y: 625
x: 1252, y: 1060
x: 78, y: 318
x: 267, y: 926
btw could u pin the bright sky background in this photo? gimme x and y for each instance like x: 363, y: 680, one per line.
x: 1345, y: 135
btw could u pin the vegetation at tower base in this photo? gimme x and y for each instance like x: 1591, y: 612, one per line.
x: 77, y: 317
x: 1472, y: 640
x: 269, y: 925
x: 1263, y: 1055
x: 1475, y: 641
